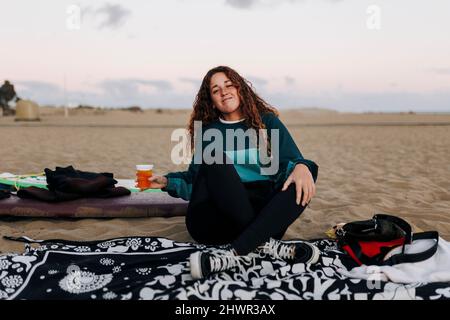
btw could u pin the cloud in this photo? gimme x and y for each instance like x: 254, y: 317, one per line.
x: 131, y: 87
x: 161, y: 85
x: 36, y: 89
x: 110, y: 92
x: 141, y: 92
x: 364, y: 101
x: 194, y: 82
x: 289, y: 80
x: 128, y: 92
x: 109, y: 16
x: 38, y: 86
x: 260, y: 82
x: 120, y: 92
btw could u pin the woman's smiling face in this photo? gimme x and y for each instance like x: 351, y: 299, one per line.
x: 225, y: 96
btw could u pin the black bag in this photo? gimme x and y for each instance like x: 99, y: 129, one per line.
x: 369, y: 241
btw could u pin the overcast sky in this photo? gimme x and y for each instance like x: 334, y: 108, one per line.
x: 349, y: 55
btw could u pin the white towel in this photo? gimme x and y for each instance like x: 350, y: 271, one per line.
x: 434, y: 269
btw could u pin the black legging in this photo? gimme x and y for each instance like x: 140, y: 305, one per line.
x: 224, y: 210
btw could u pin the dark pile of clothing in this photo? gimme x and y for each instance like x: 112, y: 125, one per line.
x: 67, y: 183
x: 4, y: 194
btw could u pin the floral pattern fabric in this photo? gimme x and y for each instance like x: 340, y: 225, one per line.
x: 155, y: 268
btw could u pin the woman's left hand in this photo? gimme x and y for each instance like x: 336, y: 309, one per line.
x: 304, y: 183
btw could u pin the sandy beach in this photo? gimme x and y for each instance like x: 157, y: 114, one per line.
x: 368, y: 163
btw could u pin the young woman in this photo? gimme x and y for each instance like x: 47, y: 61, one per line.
x: 232, y: 200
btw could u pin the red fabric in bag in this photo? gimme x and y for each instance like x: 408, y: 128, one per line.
x: 371, y: 249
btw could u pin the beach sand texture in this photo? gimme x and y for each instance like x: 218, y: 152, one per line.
x: 368, y: 163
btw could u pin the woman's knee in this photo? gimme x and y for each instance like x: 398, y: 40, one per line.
x: 196, y: 232
x: 205, y: 230
x: 206, y: 236
x: 292, y: 195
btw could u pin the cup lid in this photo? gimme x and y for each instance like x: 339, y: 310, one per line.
x: 144, y: 167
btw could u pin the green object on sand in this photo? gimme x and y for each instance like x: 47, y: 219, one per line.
x: 40, y: 181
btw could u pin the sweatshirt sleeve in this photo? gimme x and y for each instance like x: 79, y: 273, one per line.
x: 179, y: 184
x: 289, y: 153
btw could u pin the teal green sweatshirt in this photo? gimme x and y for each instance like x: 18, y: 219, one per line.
x: 245, y: 157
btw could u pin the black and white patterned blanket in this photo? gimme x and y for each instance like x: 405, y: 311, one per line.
x: 158, y: 268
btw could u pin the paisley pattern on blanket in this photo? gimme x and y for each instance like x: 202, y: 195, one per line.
x: 157, y: 268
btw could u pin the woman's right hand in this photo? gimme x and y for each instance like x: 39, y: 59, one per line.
x: 158, y: 182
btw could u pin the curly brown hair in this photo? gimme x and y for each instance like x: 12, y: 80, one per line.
x: 252, y: 105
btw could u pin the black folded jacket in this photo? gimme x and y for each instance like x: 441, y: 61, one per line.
x: 66, y: 184
x: 4, y: 194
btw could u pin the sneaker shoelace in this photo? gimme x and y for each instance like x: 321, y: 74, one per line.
x: 279, y: 250
x: 223, y: 262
